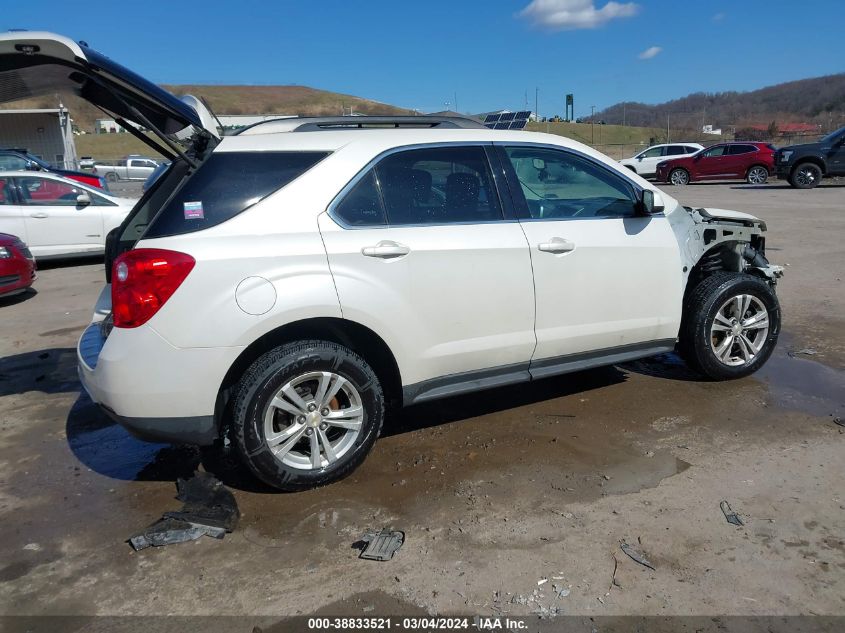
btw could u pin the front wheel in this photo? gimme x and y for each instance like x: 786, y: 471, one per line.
x: 679, y: 177
x: 306, y: 414
x: 757, y: 175
x: 730, y: 325
x: 806, y: 176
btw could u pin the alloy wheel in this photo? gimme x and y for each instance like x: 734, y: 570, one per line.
x: 739, y: 330
x: 807, y: 176
x: 757, y: 176
x: 313, y: 420
x: 679, y: 177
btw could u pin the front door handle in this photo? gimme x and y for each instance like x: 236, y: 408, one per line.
x: 40, y: 214
x: 556, y: 245
x: 386, y: 249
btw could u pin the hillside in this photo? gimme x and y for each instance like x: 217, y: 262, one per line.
x: 299, y: 100
x: 819, y: 100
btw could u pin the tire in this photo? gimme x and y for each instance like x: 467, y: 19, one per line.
x: 287, y: 460
x: 111, y: 176
x: 709, y: 342
x: 679, y: 177
x: 757, y: 175
x: 805, y: 176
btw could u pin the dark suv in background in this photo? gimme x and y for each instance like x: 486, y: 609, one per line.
x: 14, y: 159
x: 805, y: 165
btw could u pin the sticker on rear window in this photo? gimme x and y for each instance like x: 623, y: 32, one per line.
x: 193, y: 210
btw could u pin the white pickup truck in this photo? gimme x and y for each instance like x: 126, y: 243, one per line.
x: 129, y: 168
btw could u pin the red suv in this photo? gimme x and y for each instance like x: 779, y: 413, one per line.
x: 752, y: 162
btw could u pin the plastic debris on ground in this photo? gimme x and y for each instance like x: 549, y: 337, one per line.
x: 209, y: 510
x: 731, y: 516
x: 381, y: 545
x: 635, y: 555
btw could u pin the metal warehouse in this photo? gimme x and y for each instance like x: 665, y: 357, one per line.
x: 45, y: 133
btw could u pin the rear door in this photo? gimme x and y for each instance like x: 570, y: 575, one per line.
x: 607, y: 281
x: 55, y: 222
x: 740, y: 158
x: 421, y: 251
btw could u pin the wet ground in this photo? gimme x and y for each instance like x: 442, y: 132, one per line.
x: 496, y: 492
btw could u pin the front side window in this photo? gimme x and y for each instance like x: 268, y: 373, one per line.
x: 438, y: 185
x: 719, y: 150
x: 37, y: 191
x: 654, y: 152
x: 561, y: 185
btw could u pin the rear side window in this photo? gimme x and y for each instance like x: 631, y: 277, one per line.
x: 742, y: 149
x: 227, y: 184
x: 676, y: 150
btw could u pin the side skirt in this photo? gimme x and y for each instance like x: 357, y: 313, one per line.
x: 467, y: 382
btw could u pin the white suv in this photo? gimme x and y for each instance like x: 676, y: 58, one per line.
x: 645, y: 163
x: 282, y: 287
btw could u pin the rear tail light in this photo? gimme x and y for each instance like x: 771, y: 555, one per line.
x: 143, y: 280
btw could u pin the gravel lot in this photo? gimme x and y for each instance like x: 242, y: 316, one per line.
x: 495, y: 491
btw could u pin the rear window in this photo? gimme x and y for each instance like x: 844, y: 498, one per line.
x: 227, y: 184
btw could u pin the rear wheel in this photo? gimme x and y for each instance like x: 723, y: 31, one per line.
x: 730, y: 326
x: 679, y: 177
x: 805, y: 176
x: 306, y: 414
x: 757, y: 175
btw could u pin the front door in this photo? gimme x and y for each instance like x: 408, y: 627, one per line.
x: 422, y: 254
x: 712, y: 163
x: 56, y: 223
x: 606, y: 279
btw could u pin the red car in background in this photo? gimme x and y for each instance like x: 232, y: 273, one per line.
x: 752, y: 162
x: 17, y: 265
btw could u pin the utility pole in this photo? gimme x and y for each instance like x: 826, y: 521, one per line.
x: 668, y: 137
x: 456, y: 102
x: 624, y: 113
x: 537, y: 103
x: 593, y: 124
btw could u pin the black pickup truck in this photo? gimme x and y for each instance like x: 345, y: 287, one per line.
x: 804, y: 166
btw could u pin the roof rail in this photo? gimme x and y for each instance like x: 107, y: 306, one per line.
x: 315, y: 124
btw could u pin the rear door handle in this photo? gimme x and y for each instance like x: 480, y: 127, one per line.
x: 556, y: 245
x: 39, y: 215
x: 386, y: 249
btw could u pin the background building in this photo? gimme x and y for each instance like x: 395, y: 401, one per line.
x: 46, y: 134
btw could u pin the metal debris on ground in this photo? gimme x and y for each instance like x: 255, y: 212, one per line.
x: 839, y: 421
x: 209, y: 510
x: 807, y: 351
x: 380, y: 545
x: 731, y: 516
x: 635, y: 555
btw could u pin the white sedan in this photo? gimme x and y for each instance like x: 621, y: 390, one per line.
x: 645, y: 163
x: 58, y: 217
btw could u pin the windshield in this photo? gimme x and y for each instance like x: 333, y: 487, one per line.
x: 833, y: 136
x: 38, y: 161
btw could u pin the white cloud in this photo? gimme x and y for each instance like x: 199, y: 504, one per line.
x: 650, y: 52
x: 718, y: 17
x: 567, y: 15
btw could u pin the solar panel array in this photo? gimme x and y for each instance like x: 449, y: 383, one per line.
x: 508, y: 120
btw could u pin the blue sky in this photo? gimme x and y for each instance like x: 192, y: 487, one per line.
x: 489, y: 53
